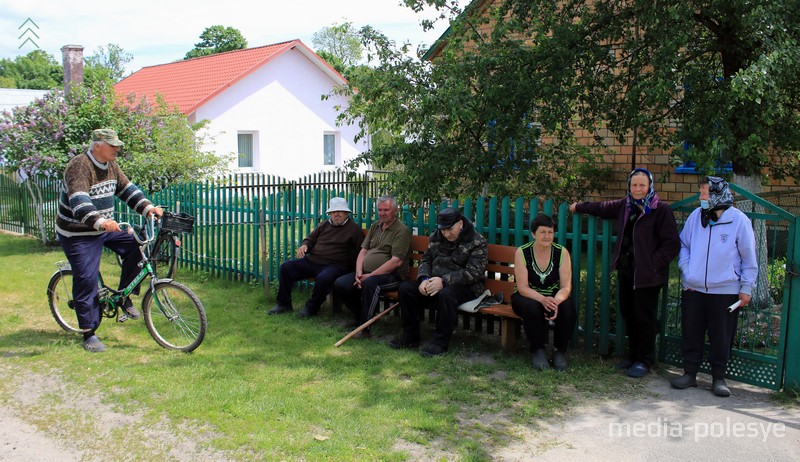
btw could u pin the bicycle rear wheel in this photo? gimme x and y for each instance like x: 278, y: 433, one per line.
x: 59, y: 298
x: 164, y: 258
x: 174, y: 316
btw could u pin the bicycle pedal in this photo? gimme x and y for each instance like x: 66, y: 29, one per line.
x: 122, y: 317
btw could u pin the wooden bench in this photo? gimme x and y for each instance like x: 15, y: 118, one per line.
x: 419, y: 244
x: 499, y: 278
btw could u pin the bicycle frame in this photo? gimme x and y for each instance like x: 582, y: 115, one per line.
x: 107, y: 295
x: 163, y: 250
x: 173, y: 314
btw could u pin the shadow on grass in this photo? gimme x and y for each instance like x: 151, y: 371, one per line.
x: 365, y: 380
x: 33, y: 342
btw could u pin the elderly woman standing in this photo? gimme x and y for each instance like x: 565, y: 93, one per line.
x: 543, y: 271
x: 647, y: 241
x: 719, y: 267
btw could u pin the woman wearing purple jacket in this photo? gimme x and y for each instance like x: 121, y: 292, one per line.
x: 647, y: 241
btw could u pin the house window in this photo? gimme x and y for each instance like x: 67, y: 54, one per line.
x: 690, y: 167
x: 526, y: 147
x: 245, y: 150
x: 329, y: 148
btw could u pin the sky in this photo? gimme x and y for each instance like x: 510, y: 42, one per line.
x: 158, y: 32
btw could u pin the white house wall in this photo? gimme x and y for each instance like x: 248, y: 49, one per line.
x: 281, y: 104
x: 11, y: 98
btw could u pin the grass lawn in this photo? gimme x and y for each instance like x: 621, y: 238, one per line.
x: 275, y: 387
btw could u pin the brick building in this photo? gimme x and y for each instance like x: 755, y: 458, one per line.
x: 675, y: 180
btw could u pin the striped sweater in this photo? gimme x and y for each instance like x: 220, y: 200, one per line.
x: 87, y: 196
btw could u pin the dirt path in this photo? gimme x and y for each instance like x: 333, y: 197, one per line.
x: 25, y: 443
x: 40, y: 421
x: 664, y: 425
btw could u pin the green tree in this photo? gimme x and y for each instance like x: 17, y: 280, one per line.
x: 37, y: 70
x: 468, y: 125
x: 333, y: 60
x: 160, y: 147
x: 720, y: 74
x: 217, y: 39
x: 341, y: 42
x: 108, y: 61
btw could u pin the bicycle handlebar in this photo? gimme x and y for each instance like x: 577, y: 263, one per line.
x: 149, y: 228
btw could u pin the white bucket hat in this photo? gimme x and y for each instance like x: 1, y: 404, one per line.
x: 338, y: 204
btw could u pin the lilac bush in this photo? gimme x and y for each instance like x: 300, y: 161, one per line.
x: 160, y: 147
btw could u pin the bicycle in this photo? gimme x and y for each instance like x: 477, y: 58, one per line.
x: 167, y: 245
x: 173, y: 314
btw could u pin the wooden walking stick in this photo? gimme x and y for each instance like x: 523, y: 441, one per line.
x: 366, y: 324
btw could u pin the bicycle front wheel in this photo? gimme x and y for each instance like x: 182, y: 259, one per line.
x: 174, y: 316
x: 164, y: 258
x: 59, y: 297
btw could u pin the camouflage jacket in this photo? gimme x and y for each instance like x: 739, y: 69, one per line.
x: 462, y: 262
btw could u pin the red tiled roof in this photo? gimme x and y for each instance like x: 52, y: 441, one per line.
x: 190, y: 83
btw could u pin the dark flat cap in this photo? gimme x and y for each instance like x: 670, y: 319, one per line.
x: 448, y: 217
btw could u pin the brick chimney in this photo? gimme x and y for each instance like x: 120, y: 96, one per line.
x: 72, y: 57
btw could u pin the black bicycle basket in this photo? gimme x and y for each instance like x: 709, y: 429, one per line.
x: 177, y: 222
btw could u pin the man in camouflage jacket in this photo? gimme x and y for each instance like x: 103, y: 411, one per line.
x: 451, y: 272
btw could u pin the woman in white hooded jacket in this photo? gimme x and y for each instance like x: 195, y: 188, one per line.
x: 719, y: 269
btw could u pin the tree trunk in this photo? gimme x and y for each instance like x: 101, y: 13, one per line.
x: 36, y: 197
x: 761, y: 293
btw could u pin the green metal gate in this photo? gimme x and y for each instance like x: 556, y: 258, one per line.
x: 763, y: 345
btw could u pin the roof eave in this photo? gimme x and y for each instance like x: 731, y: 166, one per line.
x: 474, y: 7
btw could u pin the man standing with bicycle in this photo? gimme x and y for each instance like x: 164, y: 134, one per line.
x: 85, y: 224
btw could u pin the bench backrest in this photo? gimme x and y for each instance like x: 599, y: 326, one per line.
x: 500, y: 270
x: 419, y: 244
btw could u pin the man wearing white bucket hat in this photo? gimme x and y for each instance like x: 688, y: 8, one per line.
x: 327, y: 253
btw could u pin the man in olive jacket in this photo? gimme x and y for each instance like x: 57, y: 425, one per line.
x: 451, y: 272
x: 381, y: 265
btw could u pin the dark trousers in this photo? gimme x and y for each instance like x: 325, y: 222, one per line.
x: 536, y: 326
x: 303, y: 268
x: 413, y: 305
x: 363, y: 302
x: 707, y: 312
x: 639, y: 309
x: 83, y: 253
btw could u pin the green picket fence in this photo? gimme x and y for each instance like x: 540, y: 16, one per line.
x: 19, y: 211
x: 247, y: 225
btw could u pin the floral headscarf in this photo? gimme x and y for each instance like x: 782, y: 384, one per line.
x: 645, y: 201
x: 719, y: 198
x: 719, y: 194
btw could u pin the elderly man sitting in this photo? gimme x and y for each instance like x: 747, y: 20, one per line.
x: 381, y: 265
x: 451, y: 272
x: 327, y: 253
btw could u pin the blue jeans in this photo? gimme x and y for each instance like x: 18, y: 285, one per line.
x: 83, y: 253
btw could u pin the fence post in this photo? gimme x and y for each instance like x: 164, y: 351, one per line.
x: 591, y: 283
x: 791, y: 371
x: 262, y: 232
